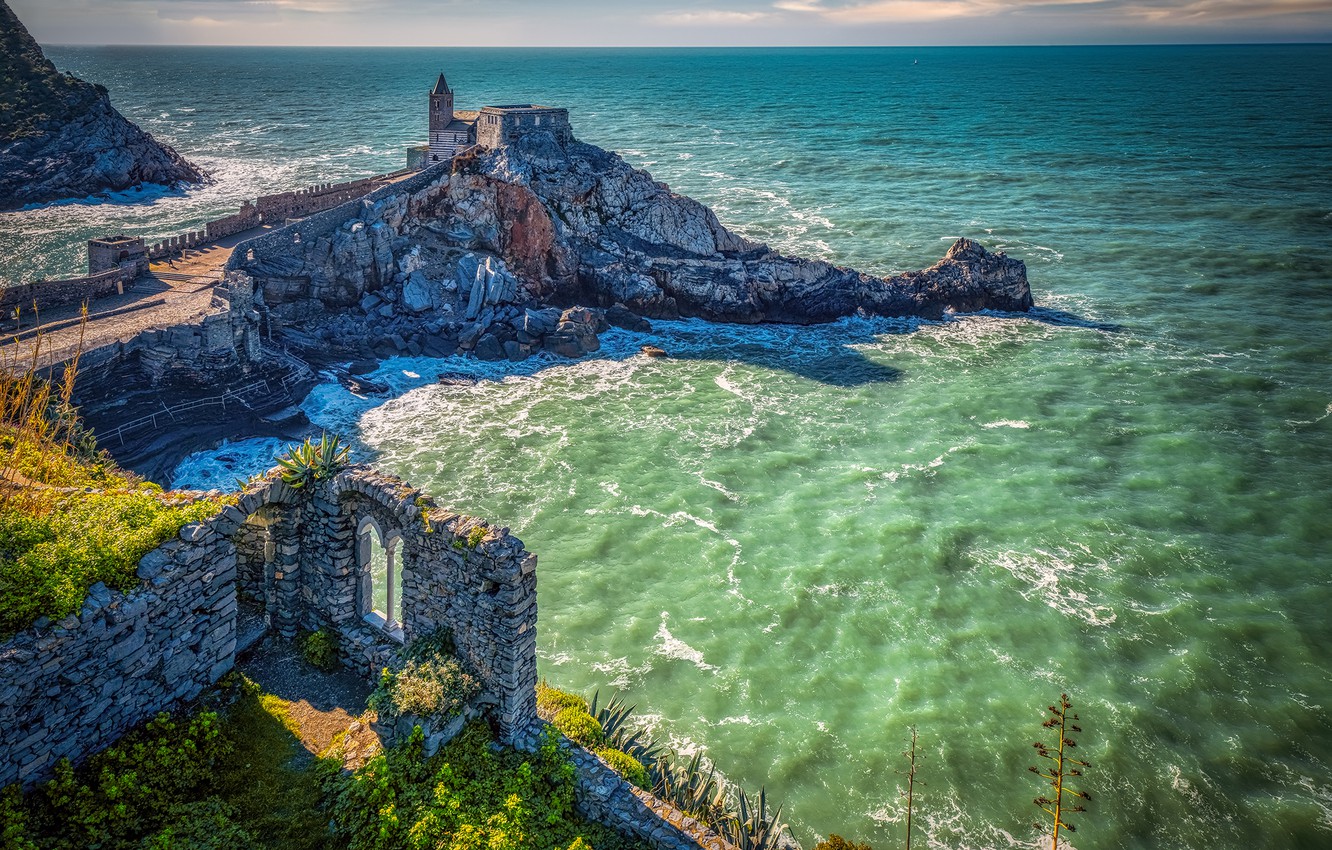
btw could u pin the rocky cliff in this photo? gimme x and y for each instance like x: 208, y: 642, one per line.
x: 61, y: 138
x: 479, y: 252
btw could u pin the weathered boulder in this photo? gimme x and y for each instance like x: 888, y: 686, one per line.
x: 622, y: 317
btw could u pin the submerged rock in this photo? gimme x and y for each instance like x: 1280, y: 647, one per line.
x: 61, y: 138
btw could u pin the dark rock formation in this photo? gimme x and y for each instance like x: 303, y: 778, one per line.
x: 61, y: 138
x: 576, y: 224
x: 473, y: 260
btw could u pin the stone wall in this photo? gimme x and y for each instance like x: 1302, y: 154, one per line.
x: 603, y: 795
x: 498, y: 125
x: 273, y: 209
x: 457, y: 573
x: 73, y: 687
x: 275, y: 246
x: 226, y: 340
x: 53, y: 293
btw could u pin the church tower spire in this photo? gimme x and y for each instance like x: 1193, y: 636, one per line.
x: 442, y: 142
x: 441, y: 105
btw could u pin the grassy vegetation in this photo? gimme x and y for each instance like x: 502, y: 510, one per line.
x: 69, y: 517
x: 234, y: 775
x: 468, y: 797
x: 33, y: 94
x: 430, y: 683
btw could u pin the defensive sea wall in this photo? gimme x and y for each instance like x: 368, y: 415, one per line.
x: 274, y: 246
x: 274, y: 209
x: 53, y: 293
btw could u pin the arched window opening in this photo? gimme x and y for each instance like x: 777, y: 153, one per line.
x: 379, y: 557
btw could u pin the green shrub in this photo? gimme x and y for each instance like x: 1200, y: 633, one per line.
x: 48, y: 561
x: 204, y: 825
x: 319, y: 649
x: 551, y: 701
x: 580, y: 727
x: 430, y: 684
x: 837, y: 842
x: 470, y: 796
x: 626, y: 765
x: 131, y: 788
x: 14, y: 833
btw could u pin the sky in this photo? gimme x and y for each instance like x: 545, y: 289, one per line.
x: 650, y: 23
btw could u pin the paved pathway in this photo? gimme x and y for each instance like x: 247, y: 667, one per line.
x: 176, y: 291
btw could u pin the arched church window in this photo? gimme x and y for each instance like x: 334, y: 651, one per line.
x: 379, y: 558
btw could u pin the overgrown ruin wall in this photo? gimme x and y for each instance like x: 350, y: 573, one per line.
x: 72, y: 688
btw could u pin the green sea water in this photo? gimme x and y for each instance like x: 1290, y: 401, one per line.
x: 790, y: 545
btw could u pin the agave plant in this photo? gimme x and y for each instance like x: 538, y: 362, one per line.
x: 691, y: 789
x: 622, y: 735
x: 310, y: 462
x: 750, y: 828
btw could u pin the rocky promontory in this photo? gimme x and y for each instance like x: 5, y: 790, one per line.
x: 60, y: 137
x: 501, y: 252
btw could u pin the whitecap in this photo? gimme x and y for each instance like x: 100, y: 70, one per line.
x: 672, y: 647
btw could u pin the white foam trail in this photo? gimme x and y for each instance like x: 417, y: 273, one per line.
x: 672, y: 647
x: 1048, y: 576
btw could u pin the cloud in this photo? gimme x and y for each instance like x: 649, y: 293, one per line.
x: 1154, y: 11
x: 710, y: 17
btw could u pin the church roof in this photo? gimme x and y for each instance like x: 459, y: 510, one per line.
x: 442, y: 86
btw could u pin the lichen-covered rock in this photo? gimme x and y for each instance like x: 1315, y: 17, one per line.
x: 61, y: 138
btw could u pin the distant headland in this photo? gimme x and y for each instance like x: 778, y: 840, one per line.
x: 60, y: 137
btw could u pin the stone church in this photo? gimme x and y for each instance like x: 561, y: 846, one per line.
x: 453, y: 131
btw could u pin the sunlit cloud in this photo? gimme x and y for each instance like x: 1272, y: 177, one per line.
x: 709, y: 17
x: 1155, y: 11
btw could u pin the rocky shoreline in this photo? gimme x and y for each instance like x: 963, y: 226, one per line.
x: 535, y: 248
x: 543, y: 244
x: 60, y: 137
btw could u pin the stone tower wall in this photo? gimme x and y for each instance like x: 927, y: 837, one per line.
x: 499, y: 125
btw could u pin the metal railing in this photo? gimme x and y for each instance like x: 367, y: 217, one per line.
x: 246, y: 396
x: 236, y: 396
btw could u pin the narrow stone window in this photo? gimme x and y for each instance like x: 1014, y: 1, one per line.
x: 381, y: 588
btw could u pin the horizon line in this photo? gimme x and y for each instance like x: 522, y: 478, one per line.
x: 703, y: 46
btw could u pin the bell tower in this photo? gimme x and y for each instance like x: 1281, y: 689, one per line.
x: 441, y: 105
x: 441, y: 116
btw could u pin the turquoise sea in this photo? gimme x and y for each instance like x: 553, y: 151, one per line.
x: 790, y: 545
